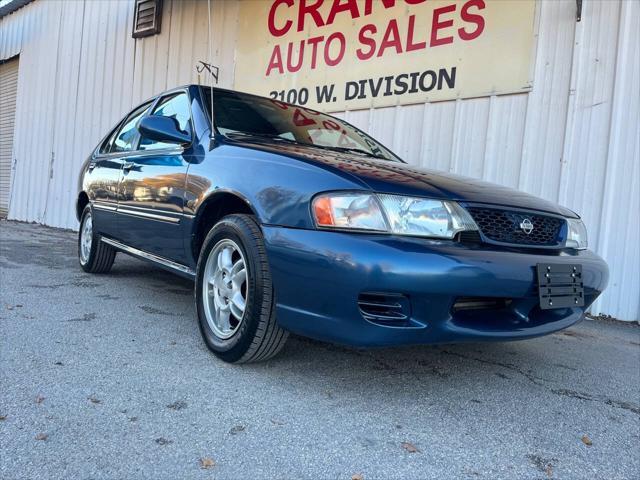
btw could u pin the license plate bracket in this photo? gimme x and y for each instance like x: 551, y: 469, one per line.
x: 560, y: 285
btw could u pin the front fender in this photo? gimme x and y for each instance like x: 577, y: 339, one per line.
x: 277, y: 188
x: 81, y: 188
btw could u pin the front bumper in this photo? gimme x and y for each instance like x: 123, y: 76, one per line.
x: 318, y: 276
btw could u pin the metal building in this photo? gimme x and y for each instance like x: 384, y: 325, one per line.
x: 70, y: 69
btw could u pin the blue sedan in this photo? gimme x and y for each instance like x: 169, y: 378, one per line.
x: 290, y: 220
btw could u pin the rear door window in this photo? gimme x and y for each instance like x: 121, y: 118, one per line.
x: 106, y: 144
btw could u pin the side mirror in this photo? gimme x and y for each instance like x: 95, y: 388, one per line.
x: 162, y: 129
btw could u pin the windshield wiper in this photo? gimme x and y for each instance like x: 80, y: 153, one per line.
x: 267, y: 136
x: 353, y: 150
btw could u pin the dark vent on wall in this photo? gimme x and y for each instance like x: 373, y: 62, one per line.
x: 147, y: 18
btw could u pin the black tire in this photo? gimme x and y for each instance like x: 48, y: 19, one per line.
x: 258, y: 336
x: 101, y: 256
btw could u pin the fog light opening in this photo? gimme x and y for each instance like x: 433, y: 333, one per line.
x: 480, y: 303
x: 384, y: 308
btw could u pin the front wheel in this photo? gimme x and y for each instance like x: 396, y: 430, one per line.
x: 94, y: 256
x: 234, y: 294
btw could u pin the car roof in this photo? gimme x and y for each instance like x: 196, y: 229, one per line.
x: 197, y: 85
x: 229, y: 90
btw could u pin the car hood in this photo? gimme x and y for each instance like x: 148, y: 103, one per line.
x: 384, y: 176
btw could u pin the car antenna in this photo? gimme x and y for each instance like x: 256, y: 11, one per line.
x: 210, y: 67
x: 213, y: 71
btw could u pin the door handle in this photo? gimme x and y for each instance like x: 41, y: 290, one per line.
x: 127, y: 166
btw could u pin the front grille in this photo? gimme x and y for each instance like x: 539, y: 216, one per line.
x: 505, y: 226
x: 469, y: 236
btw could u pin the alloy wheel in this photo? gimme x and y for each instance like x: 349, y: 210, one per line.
x: 86, y: 238
x: 225, y: 288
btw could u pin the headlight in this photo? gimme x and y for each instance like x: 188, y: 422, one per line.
x: 425, y: 217
x: 392, y: 213
x: 577, y: 235
x: 347, y: 210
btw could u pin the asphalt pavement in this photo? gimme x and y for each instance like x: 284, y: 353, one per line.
x: 105, y: 376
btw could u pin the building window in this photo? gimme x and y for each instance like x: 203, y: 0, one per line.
x: 147, y: 18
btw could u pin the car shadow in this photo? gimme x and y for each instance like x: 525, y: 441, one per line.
x: 449, y: 361
x: 420, y: 368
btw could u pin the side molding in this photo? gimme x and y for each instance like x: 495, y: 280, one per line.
x: 161, y: 261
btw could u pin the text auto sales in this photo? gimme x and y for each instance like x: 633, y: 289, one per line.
x: 449, y: 24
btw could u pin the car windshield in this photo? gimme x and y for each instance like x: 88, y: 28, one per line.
x: 239, y: 115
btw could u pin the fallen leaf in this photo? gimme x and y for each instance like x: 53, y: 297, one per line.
x: 39, y: 399
x: 586, y: 440
x: 93, y: 399
x: 42, y: 436
x: 357, y: 476
x: 163, y: 441
x: 237, y: 429
x: 207, y: 462
x: 410, y: 447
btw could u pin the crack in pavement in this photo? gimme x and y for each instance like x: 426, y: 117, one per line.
x: 87, y: 317
x: 597, y: 398
x: 542, y: 382
x: 155, y: 311
x: 509, y: 366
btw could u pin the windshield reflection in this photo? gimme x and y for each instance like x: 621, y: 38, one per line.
x: 239, y: 115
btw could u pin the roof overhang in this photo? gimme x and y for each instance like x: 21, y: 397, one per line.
x: 10, y: 6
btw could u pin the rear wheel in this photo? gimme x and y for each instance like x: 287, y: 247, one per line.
x: 94, y: 256
x: 234, y: 293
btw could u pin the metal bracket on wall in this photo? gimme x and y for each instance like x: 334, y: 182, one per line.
x: 212, y: 69
x: 578, y: 10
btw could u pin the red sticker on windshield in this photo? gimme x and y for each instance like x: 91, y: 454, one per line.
x: 300, y: 120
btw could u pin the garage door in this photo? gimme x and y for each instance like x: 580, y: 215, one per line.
x: 8, y: 93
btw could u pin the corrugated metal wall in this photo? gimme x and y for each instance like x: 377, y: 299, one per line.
x: 573, y: 139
